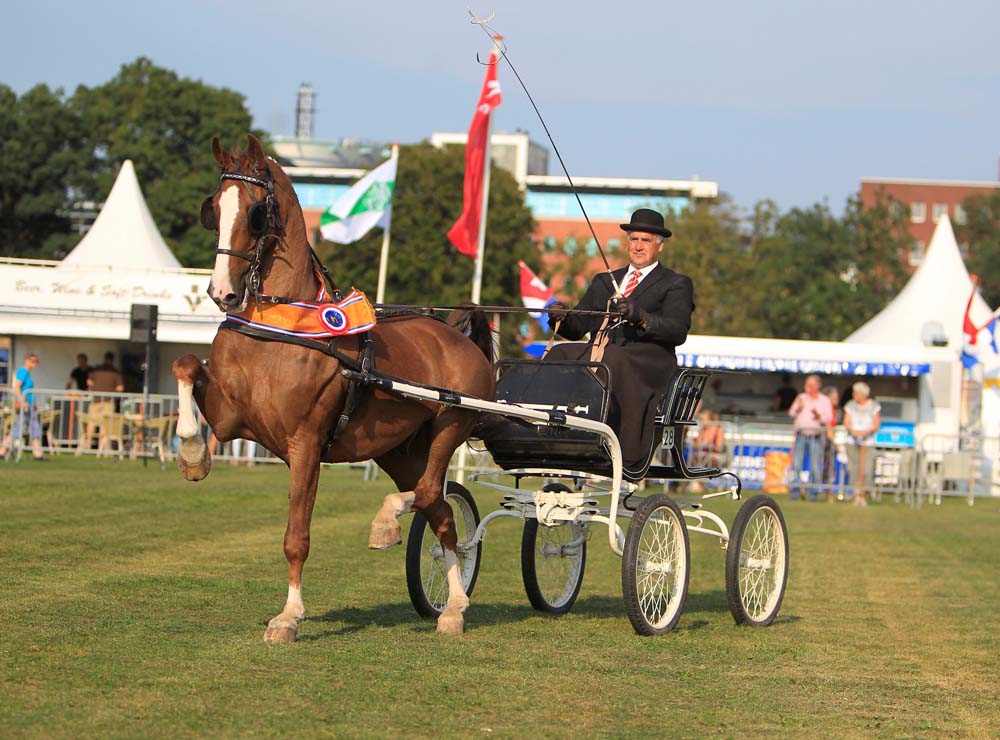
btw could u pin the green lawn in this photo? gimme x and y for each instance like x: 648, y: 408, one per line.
x: 133, y: 604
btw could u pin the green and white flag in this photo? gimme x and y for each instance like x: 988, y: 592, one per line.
x: 368, y: 203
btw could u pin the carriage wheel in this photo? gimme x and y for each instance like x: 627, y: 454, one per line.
x: 552, y: 562
x: 757, y: 562
x: 426, y: 574
x: 655, y: 566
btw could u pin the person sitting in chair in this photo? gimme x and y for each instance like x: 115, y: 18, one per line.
x: 650, y: 309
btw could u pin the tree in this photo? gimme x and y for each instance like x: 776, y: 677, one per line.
x: 40, y: 146
x: 164, y: 124
x: 424, y: 268
x: 981, y: 231
x: 709, y: 246
x: 820, y: 277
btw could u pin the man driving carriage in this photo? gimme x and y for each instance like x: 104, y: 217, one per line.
x: 645, y: 323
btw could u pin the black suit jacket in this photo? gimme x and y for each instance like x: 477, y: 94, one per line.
x: 667, y: 298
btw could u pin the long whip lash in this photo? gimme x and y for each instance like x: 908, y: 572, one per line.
x: 484, y: 23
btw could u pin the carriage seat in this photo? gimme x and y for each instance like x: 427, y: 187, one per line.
x: 582, y: 388
x: 579, y: 388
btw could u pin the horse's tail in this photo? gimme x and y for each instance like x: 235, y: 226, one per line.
x: 472, y: 322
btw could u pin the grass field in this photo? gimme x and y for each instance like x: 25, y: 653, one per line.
x: 134, y: 602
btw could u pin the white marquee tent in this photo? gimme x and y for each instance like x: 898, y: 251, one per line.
x: 938, y: 291
x: 83, y: 303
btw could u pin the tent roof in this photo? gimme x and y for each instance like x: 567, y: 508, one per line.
x: 937, y: 291
x: 124, y: 234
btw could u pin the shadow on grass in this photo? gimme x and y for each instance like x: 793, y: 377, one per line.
x: 349, y: 620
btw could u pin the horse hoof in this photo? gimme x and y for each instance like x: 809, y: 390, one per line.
x: 280, y: 635
x: 281, y: 630
x: 194, y: 459
x: 451, y: 622
x: 384, y: 536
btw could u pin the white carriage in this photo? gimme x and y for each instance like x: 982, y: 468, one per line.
x: 566, y: 466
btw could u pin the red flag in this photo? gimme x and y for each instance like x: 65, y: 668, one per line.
x: 465, y: 233
x: 970, y: 329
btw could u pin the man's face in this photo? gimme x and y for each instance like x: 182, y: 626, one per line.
x: 643, y: 249
x: 812, y: 386
x: 31, y: 363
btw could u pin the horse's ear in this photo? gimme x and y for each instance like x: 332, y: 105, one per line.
x: 221, y: 156
x: 255, y: 151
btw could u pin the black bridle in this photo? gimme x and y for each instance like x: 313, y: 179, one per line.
x: 264, y: 224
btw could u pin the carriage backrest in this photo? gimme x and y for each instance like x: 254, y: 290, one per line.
x: 579, y: 388
x: 682, y: 399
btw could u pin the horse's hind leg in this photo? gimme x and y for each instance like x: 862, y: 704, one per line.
x: 448, y: 431
x: 193, y: 457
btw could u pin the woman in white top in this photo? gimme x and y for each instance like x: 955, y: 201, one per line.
x: 862, y: 418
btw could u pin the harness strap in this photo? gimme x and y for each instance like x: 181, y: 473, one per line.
x: 363, y: 364
x: 327, y: 348
x: 601, y: 338
x: 366, y: 358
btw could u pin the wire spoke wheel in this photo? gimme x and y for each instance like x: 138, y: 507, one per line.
x: 552, y: 561
x: 426, y: 572
x: 655, y: 566
x: 757, y: 562
x: 552, y: 564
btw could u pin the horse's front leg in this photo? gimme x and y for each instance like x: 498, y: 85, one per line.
x: 303, y: 466
x: 193, y: 457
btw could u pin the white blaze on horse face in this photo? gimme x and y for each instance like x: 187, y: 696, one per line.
x: 229, y: 209
x: 187, y: 424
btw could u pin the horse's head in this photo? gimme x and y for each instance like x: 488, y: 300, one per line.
x: 244, y: 212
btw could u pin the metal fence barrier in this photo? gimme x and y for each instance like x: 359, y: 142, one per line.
x: 937, y: 466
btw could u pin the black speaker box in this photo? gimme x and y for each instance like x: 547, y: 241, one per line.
x: 143, y: 323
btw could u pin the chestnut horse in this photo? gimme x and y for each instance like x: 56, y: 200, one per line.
x: 288, y: 397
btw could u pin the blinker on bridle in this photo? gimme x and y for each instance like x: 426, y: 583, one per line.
x: 260, y: 215
x: 262, y: 222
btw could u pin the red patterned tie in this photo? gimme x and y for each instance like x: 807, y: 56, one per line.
x: 633, y: 281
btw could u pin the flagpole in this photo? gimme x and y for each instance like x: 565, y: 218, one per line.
x: 383, y: 263
x: 477, y: 276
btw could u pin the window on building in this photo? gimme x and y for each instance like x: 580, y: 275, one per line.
x: 614, y: 245
x: 917, y: 252
x: 590, y: 247
x: 939, y: 210
x: 550, y: 244
x: 918, y: 212
x: 569, y: 246
x: 959, y: 214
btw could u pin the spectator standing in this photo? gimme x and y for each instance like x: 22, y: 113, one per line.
x: 103, y: 378
x: 863, y: 418
x: 829, y: 448
x: 812, y: 413
x: 785, y: 396
x: 24, y: 410
x: 79, y: 374
x: 239, y: 446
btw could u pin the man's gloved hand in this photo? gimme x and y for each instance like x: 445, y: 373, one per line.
x: 630, y: 311
x: 557, y: 310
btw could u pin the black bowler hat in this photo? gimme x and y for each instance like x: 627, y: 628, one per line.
x: 649, y: 221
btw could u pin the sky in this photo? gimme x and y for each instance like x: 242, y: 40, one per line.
x: 792, y: 101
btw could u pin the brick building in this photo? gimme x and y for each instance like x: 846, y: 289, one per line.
x: 927, y: 201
